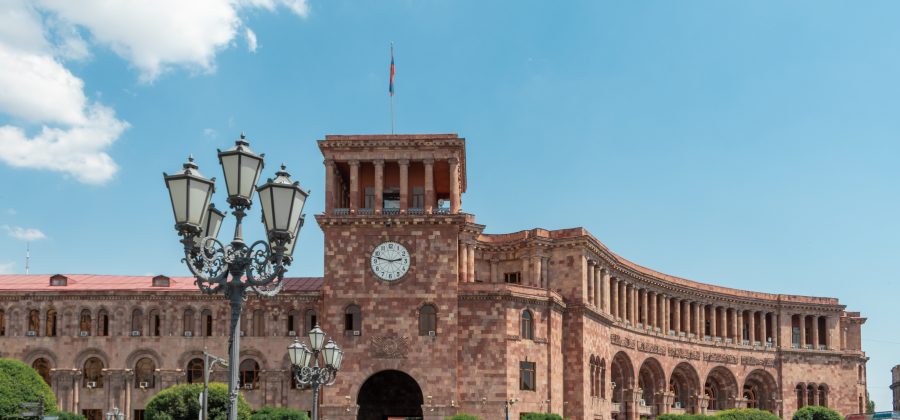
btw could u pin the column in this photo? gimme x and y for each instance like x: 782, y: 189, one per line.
x: 545, y: 271
x: 354, y: 186
x: 713, y: 314
x: 752, y: 326
x: 634, y: 305
x: 525, y: 273
x: 379, y: 186
x: 494, y: 273
x: 598, y: 287
x: 607, y: 288
x: 698, y: 320
x: 802, y: 331
x: 623, y: 314
x: 815, y: 332
x: 740, y: 326
x: 589, y: 297
x: 536, y: 265
x: 676, y: 303
x: 667, y: 308
x: 463, y: 263
x: 329, y: 186
x: 429, y: 185
x: 652, y: 309
x: 764, y: 336
x: 454, y: 185
x: 404, y: 185
x: 726, y: 324
x: 471, y: 261
x: 614, y: 297
x: 644, y: 308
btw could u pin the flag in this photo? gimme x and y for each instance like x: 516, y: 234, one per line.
x: 391, y: 86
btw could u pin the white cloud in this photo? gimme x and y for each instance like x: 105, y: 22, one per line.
x: 251, y: 40
x: 55, y: 126
x: 210, y: 133
x: 11, y: 211
x: 24, y: 234
x: 7, y: 267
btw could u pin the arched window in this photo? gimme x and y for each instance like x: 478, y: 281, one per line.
x: 291, y: 326
x: 527, y: 325
x: 188, y: 322
x: 859, y: 374
x: 51, y: 323
x: 249, y: 374
x: 311, y: 319
x: 84, y: 325
x: 143, y: 373
x: 593, y: 376
x: 811, y: 394
x: 601, y: 378
x: 195, y: 371
x: 155, y: 323
x: 42, y: 366
x: 137, y: 322
x: 93, y: 373
x: 259, y: 323
x: 427, y: 320
x: 801, y: 401
x: 206, y: 319
x: 823, y: 395
x: 352, y: 320
x: 2, y: 323
x: 103, y: 323
x: 34, y: 322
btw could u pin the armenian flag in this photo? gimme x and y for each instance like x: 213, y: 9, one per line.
x: 391, y: 86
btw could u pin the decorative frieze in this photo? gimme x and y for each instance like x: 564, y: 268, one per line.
x: 757, y: 361
x: 651, y: 348
x: 622, y: 341
x: 390, y: 347
x: 720, y: 358
x: 680, y: 353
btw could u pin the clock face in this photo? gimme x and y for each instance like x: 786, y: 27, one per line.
x: 390, y: 261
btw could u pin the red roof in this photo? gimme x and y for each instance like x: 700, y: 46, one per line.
x: 99, y: 283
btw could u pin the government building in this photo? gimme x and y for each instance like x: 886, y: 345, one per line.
x: 437, y: 317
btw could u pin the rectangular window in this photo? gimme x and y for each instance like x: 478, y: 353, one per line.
x: 92, y: 414
x: 138, y: 414
x: 348, y: 322
x: 391, y: 198
x: 370, y: 198
x: 514, y: 278
x: 795, y: 335
x: 527, y: 376
x: 418, y: 198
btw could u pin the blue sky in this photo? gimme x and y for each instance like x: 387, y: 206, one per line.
x: 748, y: 144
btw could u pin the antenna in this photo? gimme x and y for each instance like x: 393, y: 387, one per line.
x: 27, y: 255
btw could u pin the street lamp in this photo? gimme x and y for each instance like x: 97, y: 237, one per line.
x: 315, y: 376
x: 115, y: 414
x: 259, y: 267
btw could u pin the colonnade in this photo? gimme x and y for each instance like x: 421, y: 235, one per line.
x: 810, y: 332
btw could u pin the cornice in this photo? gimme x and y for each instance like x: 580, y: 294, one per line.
x: 463, y: 220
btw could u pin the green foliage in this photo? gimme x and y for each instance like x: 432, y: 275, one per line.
x: 19, y: 383
x: 684, y: 417
x: 870, y: 407
x: 278, y: 413
x: 746, y: 414
x: 540, y: 416
x: 183, y: 402
x: 815, y: 412
x: 463, y: 416
x: 65, y: 415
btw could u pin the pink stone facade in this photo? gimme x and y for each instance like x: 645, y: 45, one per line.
x: 551, y: 321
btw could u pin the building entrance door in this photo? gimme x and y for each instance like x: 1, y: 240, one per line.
x: 390, y: 394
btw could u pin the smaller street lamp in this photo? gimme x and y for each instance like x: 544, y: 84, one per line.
x: 115, y: 414
x: 315, y: 376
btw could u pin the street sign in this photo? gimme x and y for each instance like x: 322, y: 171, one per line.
x: 51, y: 418
x: 30, y: 404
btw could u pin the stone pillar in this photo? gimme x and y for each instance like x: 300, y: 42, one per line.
x: 701, y: 320
x: 713, y: 314
x: 736, y: 332
x: 764, y: 336
x: 815, y: 331
x: 463, y: 263
x: 471, y: 263
x: 494, y: 273
x: 354, y: 186
x: 329, y: 186
x: 726, y: 323
x: 677, y: 309
x: 665, y: 314
x: 614, y: 297
x: 525, y: 273
x: 752, y: 327
x: 634, y: 305
x: 740, y: 326
x: 379, y: 186
x: 598, y: 287
x: 404, y: 185
x: 429, y: 186
x: 651, y: 298
x: 545, y: 271
x: 589, y: 293
x: 454, y: 185
x: 626, y: 302
x: 607, y: 290
x: 802, y: 331
x: 644, y: 309
x: 623, y: 300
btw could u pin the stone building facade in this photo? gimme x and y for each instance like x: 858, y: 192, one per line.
x: 537, y: 320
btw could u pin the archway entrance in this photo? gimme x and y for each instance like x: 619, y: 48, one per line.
x: 390, y: 394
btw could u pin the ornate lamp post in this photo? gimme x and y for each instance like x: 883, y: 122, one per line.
x: 236, y: 267
x: 315, y: 376
x: 115, y: 414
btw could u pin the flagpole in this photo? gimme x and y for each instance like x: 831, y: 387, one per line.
x: 392, y: 114
x: 392, y: 87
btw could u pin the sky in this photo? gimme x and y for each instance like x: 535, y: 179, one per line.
x: 753, y: 145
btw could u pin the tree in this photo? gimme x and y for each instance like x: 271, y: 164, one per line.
x: 19, y: 383
x: 183, y: 402
x: 65, y: 415
x: 540, y: 416
x: 815, y: 412
x: 278, y: 413
x: 463, y: 416
x: 745, y: 414
x: 870, y: 407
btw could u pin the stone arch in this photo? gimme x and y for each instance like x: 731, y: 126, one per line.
x: 145, y: 372
x: 823, y: 395
x: 800, y: 393
x: 651, y: 381
x: 189, y: 355
x: 43, y: 367
x: 526, y: 325
x: 140, y: 354
x: 390, y: 393
x: 684, y: 384
x: 91, y: 352
x: 249, y: 373
x: 811, y: 389
x: 721, y: 388
x: 622, y: 375
x: 258, y: 355
x: 193, y: 370
x: 760, y: 390
x: 41, y: 352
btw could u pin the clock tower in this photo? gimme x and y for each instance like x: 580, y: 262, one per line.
x: 395, y: 252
